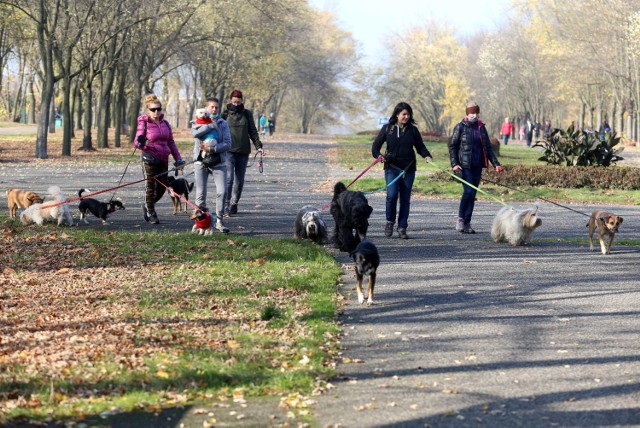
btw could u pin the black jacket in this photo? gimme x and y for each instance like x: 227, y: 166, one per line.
x: 400, y: 145
x: 461, y: 145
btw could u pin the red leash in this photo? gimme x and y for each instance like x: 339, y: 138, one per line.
x: 377, y: 160
x: 194, y: 206
x: 88, y: 195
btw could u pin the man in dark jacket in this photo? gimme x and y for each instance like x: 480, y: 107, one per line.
x: 470, y: 151
x: 243, y: 132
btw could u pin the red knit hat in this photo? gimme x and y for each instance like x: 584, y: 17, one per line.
x: 237, y: 93
x: 472, y: 107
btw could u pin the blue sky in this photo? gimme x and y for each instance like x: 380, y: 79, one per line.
x: 372, y: 22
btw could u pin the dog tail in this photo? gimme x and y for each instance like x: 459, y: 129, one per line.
x: 190, y: 186
x: 81, y: 191
x: 338, y: 188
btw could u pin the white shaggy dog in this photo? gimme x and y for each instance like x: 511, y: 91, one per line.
x: 48, y: 211
x: 310, y: 225
x: 515, y: 227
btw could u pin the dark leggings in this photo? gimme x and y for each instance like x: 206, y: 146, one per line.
x: 154, y: 190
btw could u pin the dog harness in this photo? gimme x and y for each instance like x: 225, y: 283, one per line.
x: 205, y: 223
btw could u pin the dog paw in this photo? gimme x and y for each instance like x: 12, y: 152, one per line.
x: 370, y: 302
x: 361, y: 299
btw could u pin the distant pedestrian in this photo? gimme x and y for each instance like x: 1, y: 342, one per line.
x: 263, y: 123
x: 530, y: 128
x: 546, y: 130
x: 470, y: 151
x: 603, y: 130
x: 521, y: 133
x: 272, y: 124
x: 402, y: 137
x: 506, y: 130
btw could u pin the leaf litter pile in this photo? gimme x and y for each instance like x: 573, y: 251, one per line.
x: 94, y: 322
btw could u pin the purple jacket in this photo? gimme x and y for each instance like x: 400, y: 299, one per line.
x: 159, y: 138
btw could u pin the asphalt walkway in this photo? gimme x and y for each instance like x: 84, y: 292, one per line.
x: 465, y: 332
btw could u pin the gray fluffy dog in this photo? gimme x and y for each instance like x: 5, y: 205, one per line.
x: 310, y: 225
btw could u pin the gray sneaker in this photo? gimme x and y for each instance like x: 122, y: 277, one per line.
x: 460, y: 224
x: 220, y: 227
x: 233, y: 209
x: 402, y: 233
x: 388, y: 229
x: 145, y: 215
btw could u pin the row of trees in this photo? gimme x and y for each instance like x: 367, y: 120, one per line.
x: 95, y: 59
x: 562, y: 60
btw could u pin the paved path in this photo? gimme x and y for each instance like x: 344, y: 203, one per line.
x: 466, y: 332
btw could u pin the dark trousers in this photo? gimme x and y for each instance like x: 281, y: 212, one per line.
x: 154, y: 190
x: 236, y: 169
x: 471, y: 175
x: 401, y: 190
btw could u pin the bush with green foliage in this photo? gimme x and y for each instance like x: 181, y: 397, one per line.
x: 579, y: 148
x: 556, y: 176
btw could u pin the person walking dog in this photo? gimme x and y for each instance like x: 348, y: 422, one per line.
x: 243, y: 132
x: 470, y: 151
x: 155, y: 139
x: 402, y: 136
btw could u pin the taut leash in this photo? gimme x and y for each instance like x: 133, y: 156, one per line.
x: 471, y: 185
x: 376, y: 160
x: 538, y: 197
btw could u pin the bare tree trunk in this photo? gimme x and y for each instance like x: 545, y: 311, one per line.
x: 88, y: 116
x: 104, y: 107
x: 52, y: 115
x: 67, y: 122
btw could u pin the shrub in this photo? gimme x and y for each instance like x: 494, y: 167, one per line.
x: 579, y: 148
x: 556, y: 176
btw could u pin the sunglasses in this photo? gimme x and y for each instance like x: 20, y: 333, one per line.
x: 155, y: 109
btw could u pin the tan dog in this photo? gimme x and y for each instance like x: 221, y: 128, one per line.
x: 17, y: 198
x: 607, y: 224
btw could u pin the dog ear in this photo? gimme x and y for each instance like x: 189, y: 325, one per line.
x: 620, y: 219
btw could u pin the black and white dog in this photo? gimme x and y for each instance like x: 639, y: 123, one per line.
x: 351, y: 211
x: 97, y: 208
x: 367, y: 260
x: 310, y: 225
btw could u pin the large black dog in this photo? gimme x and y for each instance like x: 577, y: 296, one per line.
x: 351, y: 211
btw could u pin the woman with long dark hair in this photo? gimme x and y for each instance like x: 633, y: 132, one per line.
x: 402, y: 136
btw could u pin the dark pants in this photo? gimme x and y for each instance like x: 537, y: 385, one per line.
x: 236, y: 169
x: 468, y: 200
x: 401, y: 189
x: 154, y: 190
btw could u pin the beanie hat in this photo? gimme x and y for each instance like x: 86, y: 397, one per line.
x: 472, y: 107
x: 236, y: 93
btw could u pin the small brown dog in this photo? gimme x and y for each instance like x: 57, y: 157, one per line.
x: 17, y: 198
x: 202, y: 222
x: 607, y: 224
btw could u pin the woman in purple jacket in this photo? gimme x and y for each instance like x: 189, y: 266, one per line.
x: 155, y: 139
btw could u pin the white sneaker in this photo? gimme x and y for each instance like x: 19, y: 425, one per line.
x: 221, y: 227
x: 460, y: 224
